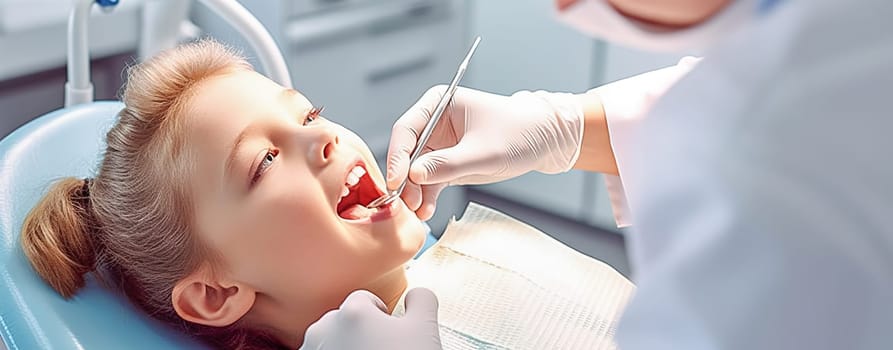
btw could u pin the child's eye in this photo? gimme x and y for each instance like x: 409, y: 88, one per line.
x: 265, y: 163
x: 312, y: 115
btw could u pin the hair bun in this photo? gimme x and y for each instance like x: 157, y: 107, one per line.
x: 57, y: 237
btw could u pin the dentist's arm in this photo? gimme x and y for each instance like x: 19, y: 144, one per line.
x: 596, y: 154
x: 484, y: 138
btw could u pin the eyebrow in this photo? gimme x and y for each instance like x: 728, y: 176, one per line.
x: 235, y: 149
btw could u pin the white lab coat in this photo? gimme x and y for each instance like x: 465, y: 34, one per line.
x: 760, y: 186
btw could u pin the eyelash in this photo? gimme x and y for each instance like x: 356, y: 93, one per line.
x: 265, y: 163
x: 271, y: 154
x: 313, y: 115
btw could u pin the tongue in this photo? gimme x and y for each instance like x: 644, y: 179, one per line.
x: 356, y: 211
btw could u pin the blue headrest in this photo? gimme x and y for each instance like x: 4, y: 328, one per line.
x: 64, y: 143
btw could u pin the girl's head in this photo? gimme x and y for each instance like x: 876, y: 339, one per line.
x: 218, y: 206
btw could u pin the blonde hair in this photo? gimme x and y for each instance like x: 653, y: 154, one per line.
x: 133, y: 221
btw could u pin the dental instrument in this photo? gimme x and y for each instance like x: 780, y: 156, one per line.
x: 429, y: 127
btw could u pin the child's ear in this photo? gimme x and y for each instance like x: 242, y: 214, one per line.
x: 203, y: 300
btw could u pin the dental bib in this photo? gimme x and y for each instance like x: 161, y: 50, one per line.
x: 503, y: 284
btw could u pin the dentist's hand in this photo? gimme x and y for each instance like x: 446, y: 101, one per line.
x: 483, y: 138
x: 362, y: 323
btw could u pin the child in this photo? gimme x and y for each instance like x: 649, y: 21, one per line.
x: 226, y: 206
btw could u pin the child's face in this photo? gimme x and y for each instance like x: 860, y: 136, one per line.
x: 270, y: 205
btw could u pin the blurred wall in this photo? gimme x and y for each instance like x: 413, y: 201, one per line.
x: 27, y: 97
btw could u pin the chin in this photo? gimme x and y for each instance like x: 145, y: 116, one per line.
x: 411, y: 233
x: 415, y: 236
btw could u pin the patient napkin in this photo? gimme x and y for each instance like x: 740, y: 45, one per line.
x: 503, y: 284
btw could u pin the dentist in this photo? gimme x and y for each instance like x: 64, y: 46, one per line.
x: 759, y: 180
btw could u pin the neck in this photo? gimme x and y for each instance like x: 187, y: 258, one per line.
x: 389, y: 288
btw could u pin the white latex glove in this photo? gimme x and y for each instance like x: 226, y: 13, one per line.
x: 483, y: 138
x: 362, y: 323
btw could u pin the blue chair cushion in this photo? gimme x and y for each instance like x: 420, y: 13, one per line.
x: 63, y: 143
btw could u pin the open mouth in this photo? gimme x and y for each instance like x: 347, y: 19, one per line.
x: 359, y: 190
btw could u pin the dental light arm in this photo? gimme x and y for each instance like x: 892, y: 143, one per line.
x: 254, y: 32
x: 79, y: 89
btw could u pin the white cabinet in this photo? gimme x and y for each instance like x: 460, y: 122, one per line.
x: 375, y: 62
x: 33, y: 34
x: 557, y: 194
x: 523, y: 47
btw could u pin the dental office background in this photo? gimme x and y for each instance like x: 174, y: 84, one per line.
x: 366, y: 61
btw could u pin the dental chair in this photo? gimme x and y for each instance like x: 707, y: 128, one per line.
x: 69, y: 142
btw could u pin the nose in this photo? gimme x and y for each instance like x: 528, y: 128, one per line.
x: 563, y: 4
x: 324, y: 143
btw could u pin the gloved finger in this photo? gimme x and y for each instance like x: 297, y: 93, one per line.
x: 448, y: 164
x: 316, y: 334
x: 412, y: 196
x: 429, y: 200
x: 403, y: 140
x: 421, y: 305
x: 361, y: 302
x: 405, y: 134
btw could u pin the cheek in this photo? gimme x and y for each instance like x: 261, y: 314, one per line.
x: 288, y: 232
x: 353, y: 140
x: 301, y: 224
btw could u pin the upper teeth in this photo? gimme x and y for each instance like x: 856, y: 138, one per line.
x: 355, y: 175
x: 352, y: 179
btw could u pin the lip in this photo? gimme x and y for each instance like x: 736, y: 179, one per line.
x: 383, y: 213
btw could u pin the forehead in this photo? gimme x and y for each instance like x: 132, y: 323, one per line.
x: 237, y: 98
